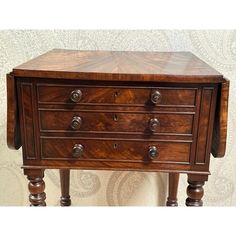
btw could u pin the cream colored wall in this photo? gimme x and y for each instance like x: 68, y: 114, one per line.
x: 218, y: 48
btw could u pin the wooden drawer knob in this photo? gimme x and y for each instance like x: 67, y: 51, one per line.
x: 78, y: 150
x: 76, y: 122
x: 154, y: 124
x: 76, y: 95
x: 153, y: 152
x: 156, y: 97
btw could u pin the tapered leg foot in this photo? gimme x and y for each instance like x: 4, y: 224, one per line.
x: 173, y: 189
x: 195, y: 191
x: 36, y: 187
x: 65, y: 201
x: 65, y: 188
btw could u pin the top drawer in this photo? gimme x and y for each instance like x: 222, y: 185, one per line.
x: 69, y: 94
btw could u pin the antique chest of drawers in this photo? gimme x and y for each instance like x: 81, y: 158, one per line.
x: 108, y: 110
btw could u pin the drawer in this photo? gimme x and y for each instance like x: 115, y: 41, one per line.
x: 116, y: 95
x: 115, y: 150
x: 93, y: 121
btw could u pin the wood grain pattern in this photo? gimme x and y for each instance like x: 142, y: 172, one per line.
x: 117, y: 104
x: 57, y: 94
x: 115, y: 166
x: 116, y: 150
x: 28, y: 124
x: 120, y: 66
x: 203, y: 129
x: 13, y: 125
x: 116, y: 122
x: 220, y: 125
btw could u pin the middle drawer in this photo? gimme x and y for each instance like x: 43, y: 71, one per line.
x: 94, y: 121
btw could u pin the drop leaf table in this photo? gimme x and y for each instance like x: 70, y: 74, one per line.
x: 117, y: 110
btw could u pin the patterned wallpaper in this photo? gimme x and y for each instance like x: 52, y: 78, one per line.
x: 218, y: 48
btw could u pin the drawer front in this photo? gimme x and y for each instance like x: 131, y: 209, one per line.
x: 116, y: 122
x: 116, y: 95
x: 115, y: 150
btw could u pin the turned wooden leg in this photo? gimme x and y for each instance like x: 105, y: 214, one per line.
x: 173, y: 189
x: 65, y: 187
x: 36, y: 187
x: 195, y: 190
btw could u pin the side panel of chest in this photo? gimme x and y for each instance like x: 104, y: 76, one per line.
x: 28, y: 119
x: 204, y: 127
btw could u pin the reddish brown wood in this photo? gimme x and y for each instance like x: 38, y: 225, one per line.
x: 114, y: 165
x: 220, y: 124
x: 120, y: 66
x: 120, y: 94
x: 135, y: 95
x: 28, y: 119
x: 203, y: 126
x: 36, y: 187
x: 173, y: 189
x: 13, y: 126
x: 195, y: 193
x: 176, y: 123
x: 195, y: 190
x: 65, y: 188
x: 115, y: 150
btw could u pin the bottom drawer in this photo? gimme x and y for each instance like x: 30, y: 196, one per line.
x: 115, y: 150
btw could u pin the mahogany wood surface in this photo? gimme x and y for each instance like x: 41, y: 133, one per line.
x: 195, y: 190
x: 65, y: 187
x: 120, y: 95
x: 220, y: 124
x: 120, y: 66
x: 108, y: 110
x: 13, y: 125
x: 115, y: 150
x: 175, y: 123
x: 36, y: 187
x: 172, y: 189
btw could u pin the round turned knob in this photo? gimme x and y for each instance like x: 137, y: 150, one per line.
x: 153, y: 152
x: 154, y: 124
x: 77, y: 150
x: 156, y: 97
x: 76, y: 122
x: 76, y: 95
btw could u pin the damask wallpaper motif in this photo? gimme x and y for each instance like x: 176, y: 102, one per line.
x: 218, y: 48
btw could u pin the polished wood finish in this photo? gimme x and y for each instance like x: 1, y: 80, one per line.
x: 136, y: 95
x: 13, y: 125
x: 142, y: 111
x: 220, y: 124
x: 175, y: 123
x: 173, y: 189
x: 174, y: 67
x: 195, y: 193
x: 115, y: 150
x: 195, y: 190
x: 65, y: 187
x: 36, y: 187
